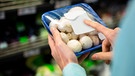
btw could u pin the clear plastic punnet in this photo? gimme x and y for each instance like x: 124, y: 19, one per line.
x: 69, y: 20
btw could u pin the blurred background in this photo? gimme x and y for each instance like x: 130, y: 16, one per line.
x: 24, y: 49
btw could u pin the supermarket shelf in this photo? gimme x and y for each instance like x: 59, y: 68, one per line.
x: 10, y: 5
x: 11, y: 8
x: 20, y: 48
x: 23, y: 7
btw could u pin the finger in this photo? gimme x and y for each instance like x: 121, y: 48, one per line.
x: 105, y: 48
x: 50, y: 41
x: 54, y: 52
x: 98, y: 27
x: 117, y: 29
x: 81, y: 58
x: 56, y: 34
x: 106, y: 45
x: 102, y: 56
x: 51, y: 44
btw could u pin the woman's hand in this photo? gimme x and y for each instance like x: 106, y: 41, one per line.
x: 59, y: 50
x: 108, y: 42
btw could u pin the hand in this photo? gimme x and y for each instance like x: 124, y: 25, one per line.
x: 110, y: 35
x: 82, y: 57
x: 59, y: 50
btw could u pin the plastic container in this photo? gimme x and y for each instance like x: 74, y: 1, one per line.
x: 58, y: 13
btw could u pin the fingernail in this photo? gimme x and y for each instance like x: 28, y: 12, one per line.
x: 95, y: 57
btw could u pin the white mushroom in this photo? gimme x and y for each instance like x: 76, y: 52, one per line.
x: 92, y: 33
x: 81, y: 35
x: 75, y: 45
x: 74, y: 36
x: 86, y: 42
x: 69, y: 36
x: 64, y: 25
x: 53, y: 24
x: 61, y: 28
x: 64, y: 37
x: 95, y: 40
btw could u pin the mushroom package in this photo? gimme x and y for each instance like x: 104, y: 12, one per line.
x: 77, y: 42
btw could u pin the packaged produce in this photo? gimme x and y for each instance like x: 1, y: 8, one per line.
x: 69, y: 21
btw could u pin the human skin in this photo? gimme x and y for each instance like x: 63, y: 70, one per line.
x: 61, y: 52
x: 63, y: 55
x: 107, y: 43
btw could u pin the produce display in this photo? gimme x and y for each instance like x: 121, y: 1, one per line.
x: 72, y: 28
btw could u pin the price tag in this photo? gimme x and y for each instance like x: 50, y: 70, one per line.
x: 26, y: 11
x: 2, y: 15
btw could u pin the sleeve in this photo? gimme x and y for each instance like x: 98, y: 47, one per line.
x: 123, y: 63
x: 73, y: 69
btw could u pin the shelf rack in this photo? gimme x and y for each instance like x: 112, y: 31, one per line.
x: 11, y: 4
x: 20, y: 48
x: 10, y: 8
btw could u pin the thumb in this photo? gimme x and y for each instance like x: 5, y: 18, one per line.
x: 102, y: 56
